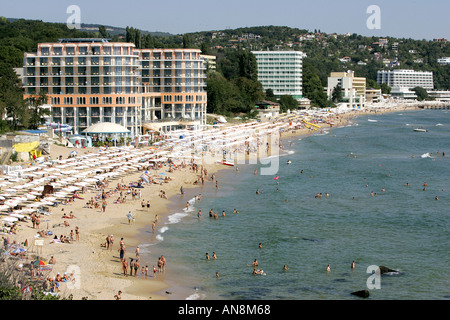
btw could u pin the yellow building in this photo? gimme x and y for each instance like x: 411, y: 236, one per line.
x: 353, y: 88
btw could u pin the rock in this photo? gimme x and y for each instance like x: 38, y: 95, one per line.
x: 361, y: 293
x: 384, y: 270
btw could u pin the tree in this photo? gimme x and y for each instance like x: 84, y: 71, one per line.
x: 287, y: 102
x: 270, y: 95
x: 103, y: 32
x: 37, y: 112
x: 248, y: 67
x: 313, y: 88
x: 187, y: 42
x: 12, y: 105
x: 421, y: 94
x: 336, y: 95
x: 385, y: 89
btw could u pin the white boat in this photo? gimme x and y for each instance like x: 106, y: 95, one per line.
x: 420, y: 130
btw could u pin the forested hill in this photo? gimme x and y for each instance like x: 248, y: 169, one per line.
x: 335, y: 52
x: 325, y: 52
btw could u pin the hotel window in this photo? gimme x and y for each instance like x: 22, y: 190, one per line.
x: 107, y: 50
x: 95, y: 50
x: 70, y: 50
x: 56, y: 111
x: 57, y: 51
x: 116, y: 50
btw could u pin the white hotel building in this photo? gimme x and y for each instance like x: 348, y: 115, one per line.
x: 94, y: 80
x: 280, y: 71
x: 402, y: 81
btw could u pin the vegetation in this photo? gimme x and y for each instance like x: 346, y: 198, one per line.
x: 233, y: 87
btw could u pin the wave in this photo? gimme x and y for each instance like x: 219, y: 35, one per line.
x: 176, y: 217
x: 426, y: 155
x: 196, y: 295
x: 372, y: 120
x: 439, y: 124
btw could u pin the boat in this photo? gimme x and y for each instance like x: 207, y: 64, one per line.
x: 420, y: 130
x: 226, y: 163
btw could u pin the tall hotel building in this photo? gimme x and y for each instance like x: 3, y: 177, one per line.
x: 280, y: 71
x: 94, y: 80
x: 401, y: 81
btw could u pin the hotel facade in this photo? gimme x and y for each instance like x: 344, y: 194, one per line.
x: 402, y: 81
x: 353, y: 88
x: 94, y: 80
x: 281, y: 71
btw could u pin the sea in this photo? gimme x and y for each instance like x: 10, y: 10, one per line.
x: 379, y: 180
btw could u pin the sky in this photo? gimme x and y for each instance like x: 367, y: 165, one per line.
x: 416, y: 19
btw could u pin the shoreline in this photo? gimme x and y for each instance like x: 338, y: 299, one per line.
x: 101, y: 275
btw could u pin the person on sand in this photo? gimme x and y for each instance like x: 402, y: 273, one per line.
x: 111, y: 241
x: 163, y: 263
x: 125, y: 267
x: 136, y: 268
x: 131, y: 266
x: 118, y: 296
x: 137, y: 253
x: 122, y: 253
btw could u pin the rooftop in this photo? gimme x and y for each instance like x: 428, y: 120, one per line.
x: 83, y: 40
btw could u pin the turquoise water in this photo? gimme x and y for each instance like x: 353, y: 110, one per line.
x: 403, y: 228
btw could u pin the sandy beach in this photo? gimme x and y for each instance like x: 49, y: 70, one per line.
x: 98, y: 271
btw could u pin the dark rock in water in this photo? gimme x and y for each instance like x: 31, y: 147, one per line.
x: 384, y: 270
x: 361, y: 293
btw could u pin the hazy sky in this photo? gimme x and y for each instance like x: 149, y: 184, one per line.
x: 417, y: 19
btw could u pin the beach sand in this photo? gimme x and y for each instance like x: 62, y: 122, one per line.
x: 98, y: 271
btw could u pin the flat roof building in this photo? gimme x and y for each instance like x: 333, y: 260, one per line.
x: 353, y: 89
x: 402, y: 81
x: 94, y: 80
x: 281, y: 71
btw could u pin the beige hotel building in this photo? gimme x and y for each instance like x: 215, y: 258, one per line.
x: 94, y: 80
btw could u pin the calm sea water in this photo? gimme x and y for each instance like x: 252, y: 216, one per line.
x: 403, y: 228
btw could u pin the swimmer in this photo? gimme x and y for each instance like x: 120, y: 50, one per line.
x: 235, y: 211
x: 214, y: 255
x: 207, y: 256
x: 328, y: 268
x: 260, y: 245
x: 285, y: 268
x: 353, y: 264
x: 436, y: 198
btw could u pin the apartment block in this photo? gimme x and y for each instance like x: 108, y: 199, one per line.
x: 353, y: 88
x: 402, y: 81
x: 281, y: 71
x: 94, y: 80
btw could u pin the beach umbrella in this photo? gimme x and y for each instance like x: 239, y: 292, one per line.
x: 39, y: 263
x: 18, y: 250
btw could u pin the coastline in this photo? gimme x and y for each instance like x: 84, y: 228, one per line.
x: 100, y: 270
